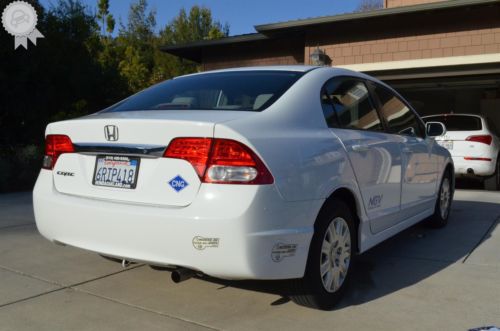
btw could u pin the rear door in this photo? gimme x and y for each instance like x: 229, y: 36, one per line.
x: 418, y: 161
x: 375, y: 156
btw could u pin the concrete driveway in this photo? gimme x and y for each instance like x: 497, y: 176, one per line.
x: 422, y: 279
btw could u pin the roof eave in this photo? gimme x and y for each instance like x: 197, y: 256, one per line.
x: 272, y: 27
x: 214, y: 42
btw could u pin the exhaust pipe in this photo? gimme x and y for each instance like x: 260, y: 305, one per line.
x: 181, y: 274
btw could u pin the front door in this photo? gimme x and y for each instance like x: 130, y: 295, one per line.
x: 419, y: 165
x: 375, y: 155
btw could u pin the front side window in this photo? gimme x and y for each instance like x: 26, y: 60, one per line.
x: 352, y: 105
x: 225, y: 91
x: 398, y: 115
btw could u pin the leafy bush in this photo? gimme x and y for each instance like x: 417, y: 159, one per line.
x: 19, y: 167
x: 78, y: 68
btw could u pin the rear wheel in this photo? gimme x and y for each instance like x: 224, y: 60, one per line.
x: 443, y: 203
x: 493, y: 183
x: 330, y: 258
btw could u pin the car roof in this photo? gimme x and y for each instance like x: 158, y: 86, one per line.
x: 294, y: 68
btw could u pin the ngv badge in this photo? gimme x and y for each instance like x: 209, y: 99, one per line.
x: 178, y: 183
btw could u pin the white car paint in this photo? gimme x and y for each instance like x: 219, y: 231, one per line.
x: 470, y: 157
x: 233, y: 231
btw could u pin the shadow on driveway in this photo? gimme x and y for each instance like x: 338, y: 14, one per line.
x: 404, y: 260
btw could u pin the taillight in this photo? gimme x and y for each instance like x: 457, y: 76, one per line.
x: 55, y: 145
x: 220, y: 161
x: 485, y: 139
x: 232, y: 162
x: 193, y: 150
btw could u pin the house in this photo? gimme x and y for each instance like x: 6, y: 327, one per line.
x: 443, y: 56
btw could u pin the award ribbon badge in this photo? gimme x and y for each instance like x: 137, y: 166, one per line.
x: 19, y: 19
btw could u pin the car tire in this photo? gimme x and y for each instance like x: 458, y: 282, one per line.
x: 335, y: 233
x: 493, y: 183
x: 443, y: 203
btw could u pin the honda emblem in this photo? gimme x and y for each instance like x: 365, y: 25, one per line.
x: 111, y: 132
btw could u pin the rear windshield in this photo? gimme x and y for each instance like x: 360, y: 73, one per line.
x: 230, y: 91
x: 457, y: 122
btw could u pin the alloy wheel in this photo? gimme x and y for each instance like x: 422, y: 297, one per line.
x: 335, y: 255
x: 444, y: 198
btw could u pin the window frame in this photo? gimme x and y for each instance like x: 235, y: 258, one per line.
x: 365, y: 82
x: 371, y: 87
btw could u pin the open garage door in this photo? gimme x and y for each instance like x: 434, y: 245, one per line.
x: 465, y: 95
x: 476, y: 95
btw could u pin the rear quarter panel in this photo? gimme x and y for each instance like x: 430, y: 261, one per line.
x: 307, y: 160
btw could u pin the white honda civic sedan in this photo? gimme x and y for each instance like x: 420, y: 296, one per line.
x: 252, y: 173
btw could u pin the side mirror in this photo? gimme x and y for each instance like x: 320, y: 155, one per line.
x: 435, y: 129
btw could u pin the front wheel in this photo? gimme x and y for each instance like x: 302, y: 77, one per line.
x: 443, y: 203
x: 330, y: 258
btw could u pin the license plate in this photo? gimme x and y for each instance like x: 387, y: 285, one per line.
x: 448, y: 144
x: 116, y: 171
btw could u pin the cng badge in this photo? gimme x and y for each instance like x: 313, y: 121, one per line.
x: 178, y: 183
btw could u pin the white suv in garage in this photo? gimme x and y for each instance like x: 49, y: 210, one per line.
x: 474, y: 145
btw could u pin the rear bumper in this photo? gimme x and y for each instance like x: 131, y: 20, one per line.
x: 229, y: 231
x: 479, y: 168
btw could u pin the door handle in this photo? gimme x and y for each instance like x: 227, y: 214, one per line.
x: 360, y: 148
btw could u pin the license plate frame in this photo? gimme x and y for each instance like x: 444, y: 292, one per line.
x: 125, y: 184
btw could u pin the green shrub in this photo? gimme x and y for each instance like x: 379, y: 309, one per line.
x: 19, y: 167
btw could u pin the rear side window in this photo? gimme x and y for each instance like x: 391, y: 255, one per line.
x: 352, y: 106
x: 398, y: 115
x: 457, y: 122
x: 228, y: 91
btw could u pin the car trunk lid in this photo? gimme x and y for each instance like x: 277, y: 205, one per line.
x: 133, y: 141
